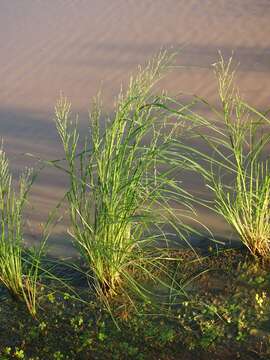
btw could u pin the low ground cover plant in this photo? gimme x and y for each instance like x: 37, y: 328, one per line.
x: 226, y: 316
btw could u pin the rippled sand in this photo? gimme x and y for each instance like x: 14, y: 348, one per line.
x: 81, y: 46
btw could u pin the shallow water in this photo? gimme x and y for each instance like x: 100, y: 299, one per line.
x: 81, y: 46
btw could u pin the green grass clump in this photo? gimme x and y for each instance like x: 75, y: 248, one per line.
x: 122, y: 183
x: 17, y: 274
x: 237, y: 169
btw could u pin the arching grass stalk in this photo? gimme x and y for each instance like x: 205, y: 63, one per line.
x: 236, y: 168
x: 122, y: 185
x: 16, y: 274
